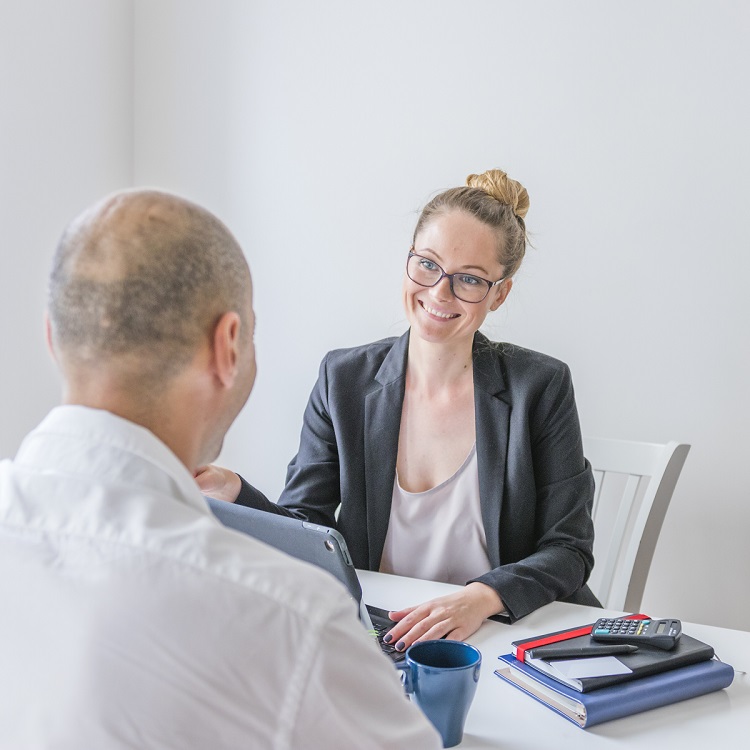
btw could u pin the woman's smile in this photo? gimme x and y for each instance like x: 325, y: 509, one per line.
x: 437, y: 313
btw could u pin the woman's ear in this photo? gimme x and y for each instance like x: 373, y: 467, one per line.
x: 502, y: 294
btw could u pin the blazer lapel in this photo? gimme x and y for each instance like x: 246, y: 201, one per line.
x: 492, y: 416
x: 383, y: 407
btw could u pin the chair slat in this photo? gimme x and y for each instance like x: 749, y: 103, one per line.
x: 628, y: 513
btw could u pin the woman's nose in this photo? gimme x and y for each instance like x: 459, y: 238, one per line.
x: 443, y: 290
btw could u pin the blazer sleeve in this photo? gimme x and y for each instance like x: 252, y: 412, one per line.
x: 546, y: 529
x: 312, y: 490
x: 252, y: 497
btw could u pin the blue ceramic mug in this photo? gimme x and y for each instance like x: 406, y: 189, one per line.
x: 441, y: 677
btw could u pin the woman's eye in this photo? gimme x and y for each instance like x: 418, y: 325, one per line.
x: 469, y: 280
x: 428, y: 265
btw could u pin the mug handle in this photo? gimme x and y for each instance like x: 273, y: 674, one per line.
x: 406, y: 680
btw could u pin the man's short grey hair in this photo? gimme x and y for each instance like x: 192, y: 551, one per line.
x: 147, y: 274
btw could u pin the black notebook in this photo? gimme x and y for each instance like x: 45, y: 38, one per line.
x: 646, y: 661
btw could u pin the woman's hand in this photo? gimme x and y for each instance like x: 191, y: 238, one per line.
x: 455, y: 616
x: 218, y: 483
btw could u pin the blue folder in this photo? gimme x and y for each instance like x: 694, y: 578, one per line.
x: 616, y: 701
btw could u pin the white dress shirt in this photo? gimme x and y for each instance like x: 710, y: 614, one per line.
x: 132, y: 619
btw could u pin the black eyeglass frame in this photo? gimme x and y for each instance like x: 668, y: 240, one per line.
x: 449, y: 276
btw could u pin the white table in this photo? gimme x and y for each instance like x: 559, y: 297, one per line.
x: 504, y: 717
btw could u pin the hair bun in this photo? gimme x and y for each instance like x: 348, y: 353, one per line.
x: 502, y: 188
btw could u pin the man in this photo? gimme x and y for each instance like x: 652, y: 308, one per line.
x: 131, y: 617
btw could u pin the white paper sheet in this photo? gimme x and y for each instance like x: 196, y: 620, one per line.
x: 599, y: 666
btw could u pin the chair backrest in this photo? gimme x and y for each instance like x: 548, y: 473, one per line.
x: 634, y: 484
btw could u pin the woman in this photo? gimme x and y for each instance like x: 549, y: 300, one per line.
x: 448, y: 456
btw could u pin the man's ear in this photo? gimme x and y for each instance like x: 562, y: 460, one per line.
x: 226, y: 343
x: 505, y: 288
x: 48, y: 336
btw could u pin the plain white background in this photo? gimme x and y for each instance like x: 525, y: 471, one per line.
x: 317, y: 131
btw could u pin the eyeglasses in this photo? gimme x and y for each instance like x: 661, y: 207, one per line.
x: 465, y: 286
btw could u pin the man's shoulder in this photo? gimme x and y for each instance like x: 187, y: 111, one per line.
x: 259, y: 572
x: 116, y: 526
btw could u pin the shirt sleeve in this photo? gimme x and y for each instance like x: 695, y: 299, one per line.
x: 351, y: 695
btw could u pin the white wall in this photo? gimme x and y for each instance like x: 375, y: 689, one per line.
x: 65, y: 139
x: 316, y: 130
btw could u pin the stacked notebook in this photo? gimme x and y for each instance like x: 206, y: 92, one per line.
x: 589, y: 694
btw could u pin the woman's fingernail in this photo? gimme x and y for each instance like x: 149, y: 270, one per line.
x: 388, y: 638
x: 400, y: 646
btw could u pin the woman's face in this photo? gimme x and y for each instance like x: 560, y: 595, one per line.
x: 457, y: 242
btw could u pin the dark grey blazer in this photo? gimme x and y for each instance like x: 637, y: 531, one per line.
x: 535, y: 486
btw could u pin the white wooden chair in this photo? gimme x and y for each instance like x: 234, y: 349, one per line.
x: 634, y: 484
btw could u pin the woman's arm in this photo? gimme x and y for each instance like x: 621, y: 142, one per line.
x: 222, y: 484
x: 549, y: 553
x: 454, y: 616
x: 312, y: 487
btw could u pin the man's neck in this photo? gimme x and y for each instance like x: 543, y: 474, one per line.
x: 164, y: 415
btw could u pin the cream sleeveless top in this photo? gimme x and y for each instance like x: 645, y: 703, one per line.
x: 438, y: 534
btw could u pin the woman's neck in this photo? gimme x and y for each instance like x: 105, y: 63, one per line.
x: 439, y: 366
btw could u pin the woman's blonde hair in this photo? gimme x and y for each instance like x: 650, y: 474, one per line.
x: 497, y: 201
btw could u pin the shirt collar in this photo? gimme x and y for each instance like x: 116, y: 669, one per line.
x: 101, y: 427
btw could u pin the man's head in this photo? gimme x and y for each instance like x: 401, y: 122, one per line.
x: 150, y: 299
